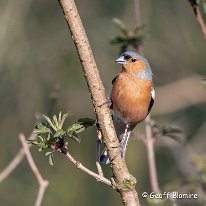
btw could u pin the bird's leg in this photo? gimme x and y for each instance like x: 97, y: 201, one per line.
x: 124, y: 140
x: 98, y: 145
x: 124, y: 144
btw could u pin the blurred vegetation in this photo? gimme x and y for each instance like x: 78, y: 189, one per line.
x: 40, y: 72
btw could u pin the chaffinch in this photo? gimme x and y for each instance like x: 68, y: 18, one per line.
x: 132, y: 97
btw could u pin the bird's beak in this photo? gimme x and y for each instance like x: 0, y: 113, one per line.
x: 121, y: 60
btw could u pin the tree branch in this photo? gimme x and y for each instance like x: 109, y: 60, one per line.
x: 80, y: 166
x: 198, y: 16
x: 42, y: 182
x: 125, y: 183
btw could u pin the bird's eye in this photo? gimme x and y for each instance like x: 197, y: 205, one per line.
x: 134, y: 60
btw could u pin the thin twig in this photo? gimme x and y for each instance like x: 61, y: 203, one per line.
x: 125, y: 182
x: 137, y: 14
x: 198, y: 16
x: 15, y: 162
x: 42, y: 182
x: 80, y: 166
x: 98, y: 143
x: 149, y: 141
x: 12, y: 165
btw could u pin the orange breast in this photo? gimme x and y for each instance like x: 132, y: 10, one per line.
x: 131, y: 98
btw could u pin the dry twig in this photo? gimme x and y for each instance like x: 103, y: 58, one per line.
x: 12, y: 165
x: 15, y: 162
x: 149, y: 142
x: 198, y: 16
x: 80, y: 166
x: 42, y: 182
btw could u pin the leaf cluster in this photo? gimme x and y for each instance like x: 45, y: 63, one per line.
x: 51, y: 134
x: 203, y: 3
x: 127, y: 37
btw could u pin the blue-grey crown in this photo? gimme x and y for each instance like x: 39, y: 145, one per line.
x: 148, y: 73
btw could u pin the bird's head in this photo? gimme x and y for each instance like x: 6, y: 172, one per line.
x: 135, y: 63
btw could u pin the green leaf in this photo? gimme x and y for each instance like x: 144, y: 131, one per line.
x: 60, y: 117
x: 74, y: 128
x: 204, y: 6
x: 62, y: 121
x: 40, y: 149
x: 174, y: 133
x: 51, y: 159
x: 40, y: 139
x: 75, y: 137
x: 48, y: 153
x: 34, y: 142
x: 89, y: 121
x: 50, y: 122
x: 55, y: 122
x: 59, y: 133
x: 48, y: 137
x: 118, y: 40
x: 40, y: 129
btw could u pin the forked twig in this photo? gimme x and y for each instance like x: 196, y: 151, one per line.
x: 42, y: 182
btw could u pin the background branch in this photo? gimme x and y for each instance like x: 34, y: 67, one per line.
x: 125, y: 183
x: 149, y: 141
x: 198, y: 16
x: 15, y: 162
x: 42, y: 182
x: 12, y: 165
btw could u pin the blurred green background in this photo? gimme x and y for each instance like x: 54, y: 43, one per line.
x: 38, y: 61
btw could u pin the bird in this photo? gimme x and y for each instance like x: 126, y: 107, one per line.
x: 131, y: 98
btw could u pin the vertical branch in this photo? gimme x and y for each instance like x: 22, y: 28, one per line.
x: 198, y: 16
x: 124, y: 182
x: 149, y: 141
x: 137, y: 14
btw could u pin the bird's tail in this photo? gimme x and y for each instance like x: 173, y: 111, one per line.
x: 123, y: 132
